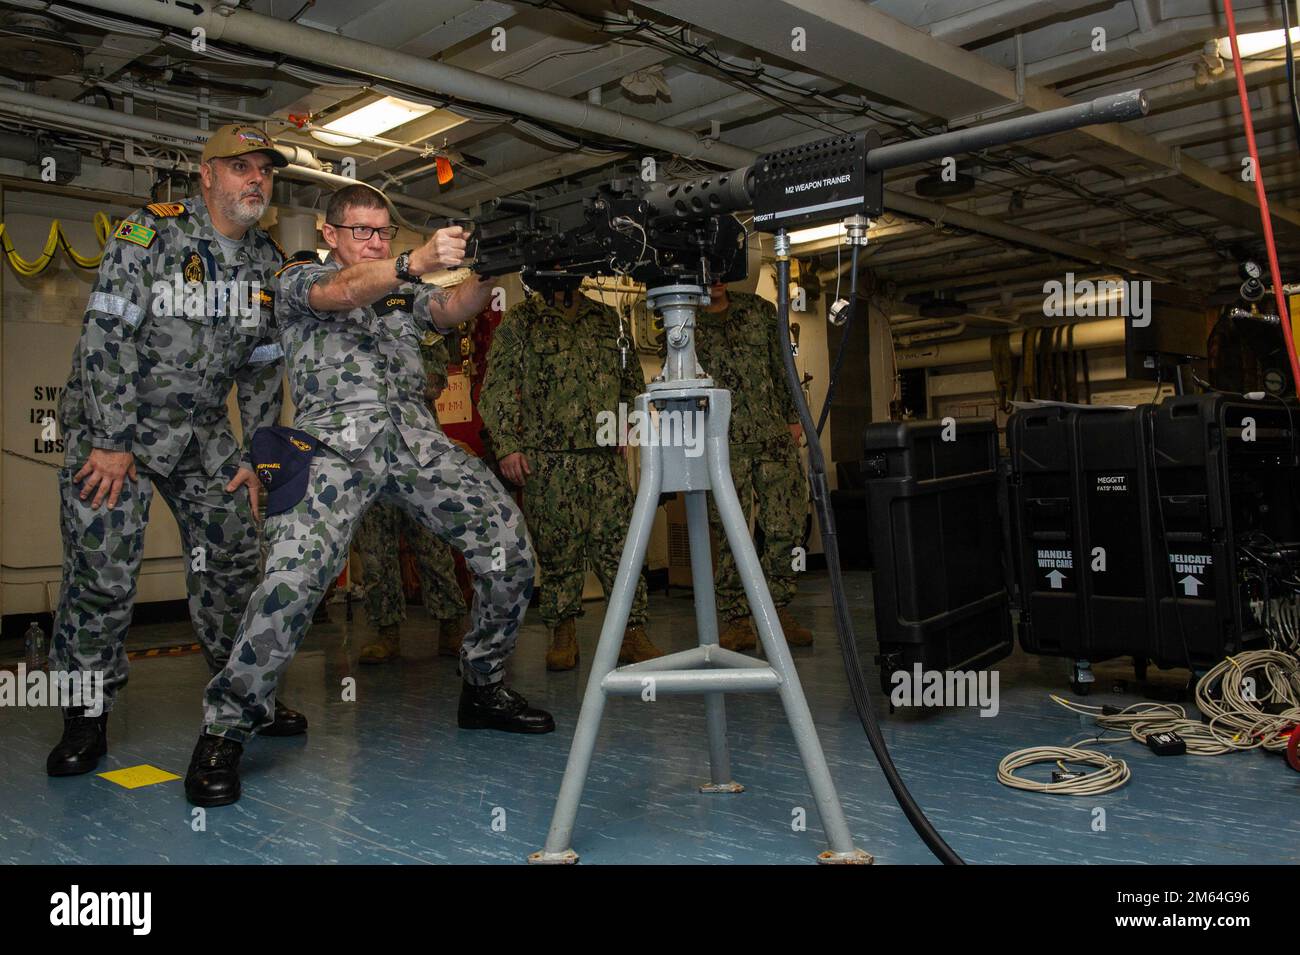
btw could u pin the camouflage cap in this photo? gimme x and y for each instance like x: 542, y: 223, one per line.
x: 237, y: 140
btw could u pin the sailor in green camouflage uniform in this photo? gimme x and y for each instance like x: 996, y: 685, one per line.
x: 377, y: 543
x: 737, y: 343
x: 351, y: 329
x: 552, y: 369
x: 144, y: 409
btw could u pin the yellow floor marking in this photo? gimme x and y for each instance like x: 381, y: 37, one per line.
x: 133, y: 777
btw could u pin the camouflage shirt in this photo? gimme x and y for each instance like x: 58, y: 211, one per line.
x: 549, y: 376
x: 739, y: 348
x: 436, y: 358
x: 164, y: 337
x: 351, y: 373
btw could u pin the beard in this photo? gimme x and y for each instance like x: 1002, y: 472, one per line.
x: 245, y: 210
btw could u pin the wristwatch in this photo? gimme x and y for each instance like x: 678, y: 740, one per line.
x: 403, y: 267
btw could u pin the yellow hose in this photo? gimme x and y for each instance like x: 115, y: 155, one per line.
x: 56, y: 238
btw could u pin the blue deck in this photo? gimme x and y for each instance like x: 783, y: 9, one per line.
x: 390, y: 778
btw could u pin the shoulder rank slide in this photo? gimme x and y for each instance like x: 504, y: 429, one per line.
x: 300, y: 258
x: 166, y: 209
x: 141, y: 235
x: 396, y: 301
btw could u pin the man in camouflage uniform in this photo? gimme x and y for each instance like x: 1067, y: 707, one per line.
x: 553, y: 368
x: 351, y: 330
x: 737, y: 343
x: 377, y: 542
x: 145, y: 408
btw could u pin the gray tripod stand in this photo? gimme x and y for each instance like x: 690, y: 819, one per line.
x: 684, y: 389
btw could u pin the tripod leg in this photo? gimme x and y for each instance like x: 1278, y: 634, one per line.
x: 706, y: 625
x: 778, y: 654
x: 559, y: 838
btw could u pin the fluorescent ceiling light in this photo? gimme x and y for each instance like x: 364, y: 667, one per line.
x: 370, y: 120
x: 1252, y: 44
x: 817, y: 233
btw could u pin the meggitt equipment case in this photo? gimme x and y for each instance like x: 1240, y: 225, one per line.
x: 936, y: 541
x: 1079, y: 501
x: 1225, y: 472
x: 1128, y: 522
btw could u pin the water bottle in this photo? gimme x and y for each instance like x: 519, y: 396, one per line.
x: 35, y: 647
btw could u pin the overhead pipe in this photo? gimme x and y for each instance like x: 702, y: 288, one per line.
x: 193, y: 103
x: 329, y: 49
x: 953, y: 330
x: 37, y: 108
x: 440, y: 79
x: 922, y: 208
x: 1099, y: 334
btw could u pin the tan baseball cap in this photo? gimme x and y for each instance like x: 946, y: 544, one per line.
x: 238, y: 140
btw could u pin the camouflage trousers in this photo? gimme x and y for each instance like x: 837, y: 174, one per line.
x: 578, y: 504
x: 377, y: 542
x: 455, y: 496
x: 772, y: 487
x: 102, y: 551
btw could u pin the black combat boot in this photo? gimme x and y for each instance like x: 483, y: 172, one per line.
x: 213, y: 776
x: 85, y: 739
x: 287, y: 722
x: 497, y: 707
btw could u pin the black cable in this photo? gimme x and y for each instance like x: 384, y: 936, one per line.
x: 843, y: 620
x: 844, y: 341
x: 1290, y: 69
x: 699, y: 53
x: 1106, y: 200
x: 641, y: 32
x: 1159, y: 384
x: 1126, y: 78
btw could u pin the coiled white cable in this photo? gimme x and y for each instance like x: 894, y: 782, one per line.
x: 1234, y: 693
x: 1231, y: 698
x: 1112, y: 774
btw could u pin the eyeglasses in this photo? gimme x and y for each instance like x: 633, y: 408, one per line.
x: 363, y: 232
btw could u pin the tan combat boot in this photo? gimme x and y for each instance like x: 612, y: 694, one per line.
x: 739, y: 635
x: 796, y: 635
x: 637, y: 647
x: 451, y: 634
x: 563, y: 654
x: 384, y: 649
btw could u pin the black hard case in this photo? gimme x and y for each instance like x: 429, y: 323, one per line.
x: 937, y: 545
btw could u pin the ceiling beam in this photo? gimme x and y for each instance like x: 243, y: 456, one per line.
x: 876, y: 52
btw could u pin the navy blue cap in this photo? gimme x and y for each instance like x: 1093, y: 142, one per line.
x: 282, y: 459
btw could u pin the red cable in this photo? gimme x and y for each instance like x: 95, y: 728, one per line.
x: 1292, y: 756
x: 1264, y: 217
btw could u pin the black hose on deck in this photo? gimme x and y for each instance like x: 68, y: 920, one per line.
x: 843, y: 622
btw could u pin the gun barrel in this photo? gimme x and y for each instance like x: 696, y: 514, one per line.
x: 1114, y: 108
x: 715, y: 193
